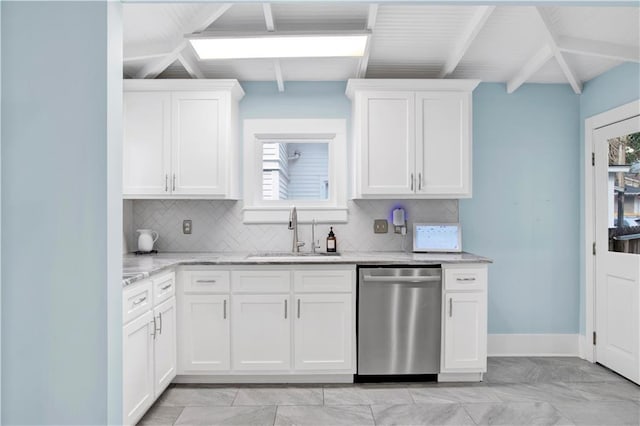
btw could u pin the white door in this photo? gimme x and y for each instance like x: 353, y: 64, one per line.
x: 465, y: 331
x: 323, y: 331
x: 146, y: 144
x: 165, y: 345
x: 204, y: 333
x: 388, y: 143
x: 443, y: 143
x: 137, y: 368
x: 261, y: 332
x: 198, y: 143
x: 617, y: 257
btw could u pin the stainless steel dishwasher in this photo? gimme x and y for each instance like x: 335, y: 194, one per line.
x: 399, y: 321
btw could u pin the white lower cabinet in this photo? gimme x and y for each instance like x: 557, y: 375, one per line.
x: 261, y: 330
x: 204, y: 333
x: 137, y: 367
x: 464, y: 321
x: 465, y: 331
x: 148, y: 347
x: 165, y: 363
x: 267, y: 320
x: 323, y: 332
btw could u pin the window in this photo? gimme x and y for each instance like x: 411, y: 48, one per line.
x: 299, y: 162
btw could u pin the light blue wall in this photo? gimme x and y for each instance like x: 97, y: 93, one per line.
x: 325, y: 99
x: 54, y: 213
x: 616, y: 87
x: 524, y: 210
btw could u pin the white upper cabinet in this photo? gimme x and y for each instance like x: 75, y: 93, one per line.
x: 147, y: 155
x: 388, y: 148
x: 443, y: 147
x: 180, y: 139
x: 412, y: 138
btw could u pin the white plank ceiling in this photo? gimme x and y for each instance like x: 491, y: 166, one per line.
x: 511, y: 44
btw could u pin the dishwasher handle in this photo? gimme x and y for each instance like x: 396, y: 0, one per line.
x: 389, y: 279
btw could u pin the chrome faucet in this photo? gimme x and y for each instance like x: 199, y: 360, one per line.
x: 293, y: 225
x: 314, y: 246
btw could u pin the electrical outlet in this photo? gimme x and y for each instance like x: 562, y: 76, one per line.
x: 186, y: 226
x: 380, y: 226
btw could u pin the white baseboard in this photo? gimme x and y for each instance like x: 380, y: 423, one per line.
x: 534, y: 345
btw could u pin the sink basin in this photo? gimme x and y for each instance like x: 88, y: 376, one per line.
x: 292, y: 256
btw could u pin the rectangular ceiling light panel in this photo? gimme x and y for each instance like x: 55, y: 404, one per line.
x: 307, y: 46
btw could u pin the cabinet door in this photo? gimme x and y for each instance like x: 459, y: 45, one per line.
x: 465, y: 332
x: 443, y: 143
x: 261, y: 332
x: 324, y: 331
x: 137, y: 368
x: 146, y: 144
x: 204, y: 333
x: 198, y: 143
x: 388, y: 143
x: 165, y: 345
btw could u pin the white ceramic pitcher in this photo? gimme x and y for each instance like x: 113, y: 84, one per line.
x: 146, y: 239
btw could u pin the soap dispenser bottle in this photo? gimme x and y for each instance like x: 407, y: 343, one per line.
x: 332, y: 243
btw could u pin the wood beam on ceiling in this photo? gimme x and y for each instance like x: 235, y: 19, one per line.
x: 600, y: 49
x: 268, y: 17
x: 189, y: 61
x: 278, y: 71
x: 553, y: 41
x: 536, y: 62
x: 371, y: 23
x: 467, y: 37
x: 207, y: 16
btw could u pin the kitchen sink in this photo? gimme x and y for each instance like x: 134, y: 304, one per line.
x: 292, y: 256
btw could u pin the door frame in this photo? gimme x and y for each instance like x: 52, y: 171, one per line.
x: 591, y: 124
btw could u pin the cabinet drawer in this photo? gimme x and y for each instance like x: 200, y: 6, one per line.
x: 465, y: 279
x: 136, y: 300
x: 323, y: 281
x: 206, y: 281
x: 163, y: 288
x: 261, y: 281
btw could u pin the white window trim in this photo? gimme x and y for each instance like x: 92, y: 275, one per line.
x: 257, y: 210
x: 591, y: 124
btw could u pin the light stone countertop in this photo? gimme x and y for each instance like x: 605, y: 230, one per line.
x: 136, y: 268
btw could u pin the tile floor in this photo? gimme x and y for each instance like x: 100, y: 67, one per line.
x: 516, y: 391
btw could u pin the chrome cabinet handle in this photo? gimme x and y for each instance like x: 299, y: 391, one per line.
x: 224, y: 309
x: 450, y: 307
x: 412, y: 181
x: 285, y: 308
x: 174, y: 182
x: 168, y: 286
x: 206, y: 281
x: 154, y: 328
x: 466, y: 279
x: 166, y: 182
x: 160, y: 320
x: 298, y: 308
x: 139, y: 301
x: 419, y: 181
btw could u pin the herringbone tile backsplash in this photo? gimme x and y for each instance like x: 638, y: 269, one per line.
x: 217, y: 225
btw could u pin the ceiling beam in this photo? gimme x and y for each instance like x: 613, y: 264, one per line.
x: 268, y: 17
x: 278, y: 71
x: 552, y: 40
x: 371, y: 23
x: 600, y: 49
x: 467, y: 37
x: 146, y: 51
x: 534, y: 64
x: 208, y: 15
x: 189, y: 61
